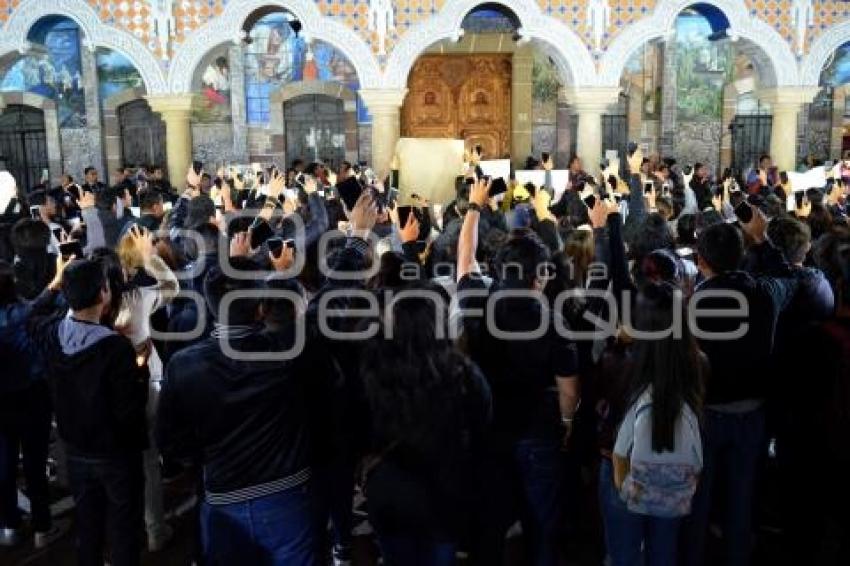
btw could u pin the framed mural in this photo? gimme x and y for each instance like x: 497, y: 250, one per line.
x: 53, y: 70
x: 115, y: 73
x: 837, y: 73
x: 702, y: 68
x: 277, y: 55
x: 213, y: 104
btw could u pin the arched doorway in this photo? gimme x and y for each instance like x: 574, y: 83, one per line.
x: 315, y: 129
x: 23, y: 144
x: 142, y: 134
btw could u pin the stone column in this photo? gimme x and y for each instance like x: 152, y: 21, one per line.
x: 385, y: 106
x: 563, y: 125
x: 91, y: 83
x: 239, y: 120
x: 786, y: 103
x: 669, y: 100
x: 175, y: 110
x: 590, y: 103
x: 836, y: 137
x: 521, y: 103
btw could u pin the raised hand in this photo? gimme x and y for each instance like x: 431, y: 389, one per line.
x: 143, y: 242
x: 480, y: 192
x: 364, y: 214
x: 285, y: 260
x: 240, y: 245
x: 277, y: 183
x: 410, y: 231
x: 86, y: 200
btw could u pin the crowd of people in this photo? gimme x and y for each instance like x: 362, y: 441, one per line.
x: 642, y: 353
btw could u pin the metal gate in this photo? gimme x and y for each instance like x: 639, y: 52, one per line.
x: 23, y: 144
x: 142, y: 135
x: 315, y: 129
x: 615, y: 132
x: 750, y: 139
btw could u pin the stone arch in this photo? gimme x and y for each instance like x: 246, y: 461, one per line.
x: 112, y: 126
x: 821, y: 50
x: 771, y: 54
x: 293, y: 90
x: 228, y: 27
x: 95, y: 34
x: 51, y: 124
x: 560, y: 42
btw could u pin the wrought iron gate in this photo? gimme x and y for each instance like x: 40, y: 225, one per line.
x: 615, y: 132
x: 142, y: 135
x: 315, y: 129
x: 750, y: 139
x: 23, y: 144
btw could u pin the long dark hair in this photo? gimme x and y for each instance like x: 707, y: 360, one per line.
x: 414, y: 381
x: 672, y: 366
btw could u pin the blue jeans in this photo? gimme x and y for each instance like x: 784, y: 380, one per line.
x: 632, y: 539
x: 278, y: 530
x: 412, y: 551
x: 540, y: 466
x: 732, y: 444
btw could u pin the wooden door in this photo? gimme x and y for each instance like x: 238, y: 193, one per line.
x: 462, y: 97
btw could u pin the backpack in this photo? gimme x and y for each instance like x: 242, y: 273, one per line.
x: 659, y: 484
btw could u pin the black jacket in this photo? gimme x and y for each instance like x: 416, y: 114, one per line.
x: 99, y: 392
x: 246, y: 420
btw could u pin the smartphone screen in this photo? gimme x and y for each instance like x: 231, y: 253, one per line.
x: 275, y: 246
x: 590, y: 201
x: 498, y: 187
x: 57, y: 233
x: 798, y: 197
x: 647, y: 188
x: 260, y: 232
x: 545, y: 156
x: 744, y: 212
x: 68, y: 249
x: 349, y: 192
x: 35, y: 213
x: 197, y: 166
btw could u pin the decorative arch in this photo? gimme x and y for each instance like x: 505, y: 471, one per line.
x: 562, y: 43
x: 773, y: 55
x: 51, y: 124
x: 821, y: 50
x: 229, y: 24
x: 95, y: 34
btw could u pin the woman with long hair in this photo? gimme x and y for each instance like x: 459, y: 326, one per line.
x: 429, y: 408
x: 647, y: 487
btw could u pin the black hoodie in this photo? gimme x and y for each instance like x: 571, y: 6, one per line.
x: 99, y: 392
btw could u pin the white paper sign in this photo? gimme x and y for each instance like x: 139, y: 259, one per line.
x: 496, y: 168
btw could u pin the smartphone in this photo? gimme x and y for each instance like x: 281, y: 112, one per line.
x: 57, y: 233
x: 798, y: 197
x: 783, y: 177
x: 590, y: 201
x: 197, y: 166
x: 469, y: 181
x: 631, y: 148
x: 260, y: 232
x: 545, y: 156
x: 647, y: 188
x: 68, y: 249
x: 349, y: 191
x: 498, y: 187
x: 479, y: 151
x: 275, y: 246
x: 35, y: 212
x: 744, y: 212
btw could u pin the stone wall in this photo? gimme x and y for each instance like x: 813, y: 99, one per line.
x: 212, y: 143
x: 697, y: 141
x: 80, y: 149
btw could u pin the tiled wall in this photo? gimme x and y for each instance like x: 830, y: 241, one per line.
x: 134, y: 15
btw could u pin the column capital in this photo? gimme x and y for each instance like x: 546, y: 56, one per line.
x: 172, y: 104
x: 592, y: 98
x: 787, y: 97
x: 380, y: 100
